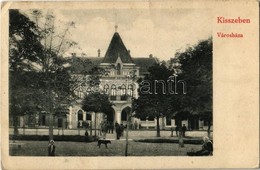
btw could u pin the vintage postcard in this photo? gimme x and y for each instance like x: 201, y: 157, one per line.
x: 130, y: 85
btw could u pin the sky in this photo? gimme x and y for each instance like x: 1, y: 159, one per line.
x: 160, y: 32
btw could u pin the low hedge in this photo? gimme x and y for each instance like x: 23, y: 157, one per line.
x: 73, y: 138
x: 186, y: 141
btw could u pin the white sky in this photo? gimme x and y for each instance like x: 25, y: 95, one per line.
x: 158, y: 32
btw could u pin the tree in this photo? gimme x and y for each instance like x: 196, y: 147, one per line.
x: 24, y: 46
x: 195, y: 67
x: 153, y: 97
x: 97, y: 102
x: 36, y: 50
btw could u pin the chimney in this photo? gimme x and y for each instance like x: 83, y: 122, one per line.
x: 98, y: 52
x: 128, y: 51
x: 151, y: 56
x: 83, y: 54
x: 73, y: 54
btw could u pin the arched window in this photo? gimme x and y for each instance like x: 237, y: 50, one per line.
x: 113, y: 90
x: 130, y: 90
x: 80, y: 115
x: 79, y: 91
x: 118, y: 67
x: 112, y: 73
x: 106, y: 89
x: 123, y: 90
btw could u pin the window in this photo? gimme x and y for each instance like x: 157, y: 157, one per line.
x: 123, y: 90
x: 79, y: 91
x: 113, y: 90
x: 168, y: 121
x: 59, y: 122
x: 88, y: 117
x: 118, y: 67
x: 150, y: 118
x: 80, y: 115
x: 106, y: 89
x: 43, y: 120
x: 112, y: 73
x: 130, y: 90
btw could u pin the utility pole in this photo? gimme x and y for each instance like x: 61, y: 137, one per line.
x: 129, y: 115
x: 127, y: 129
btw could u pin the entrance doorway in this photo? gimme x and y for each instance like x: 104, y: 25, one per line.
x: 124, y: 114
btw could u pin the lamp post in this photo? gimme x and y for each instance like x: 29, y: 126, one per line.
x: 95, y: 124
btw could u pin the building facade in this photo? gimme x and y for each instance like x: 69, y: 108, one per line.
x: 120, y: 83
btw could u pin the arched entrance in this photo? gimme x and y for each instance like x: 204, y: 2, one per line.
x: 124, y: 114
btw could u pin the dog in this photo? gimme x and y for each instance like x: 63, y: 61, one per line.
x: 100, y: 141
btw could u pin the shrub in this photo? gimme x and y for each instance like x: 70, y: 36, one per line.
x: 186, y: 141
x: 74, y: 138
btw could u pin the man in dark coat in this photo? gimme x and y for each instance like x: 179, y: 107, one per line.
x: 122, y: 129
x: 177, y: 130
x: 51, y: 148
x: 118, y: 130
x: 183, y: 129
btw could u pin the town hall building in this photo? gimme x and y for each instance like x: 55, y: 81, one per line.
x: 120, y: 83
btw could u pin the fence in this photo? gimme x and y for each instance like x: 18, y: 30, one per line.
x: 56, y: 131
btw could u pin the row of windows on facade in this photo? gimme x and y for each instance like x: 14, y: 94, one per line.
x: 122, y: 90
x: 118, y: 71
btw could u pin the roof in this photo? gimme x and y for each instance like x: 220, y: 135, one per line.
x: 117, y: 49
x: 85, y: 64
x: 81, y: 65
x: 144, y: 63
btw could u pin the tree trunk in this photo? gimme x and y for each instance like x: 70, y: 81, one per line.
x: 90, y: 128
x: 95, y: 125
x: 158, y: 126
x: 126, y: 136
x: 15, y: 123
x: 51, y: 126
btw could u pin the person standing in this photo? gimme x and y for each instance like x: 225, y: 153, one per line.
x: 135, y: 125
x: 112, y: 127
x: 51, y: 148
x: 122, y: 129
x: 177, y: 130
x: 108, y: 127
x: 118, y: 130
x: 183, y: 129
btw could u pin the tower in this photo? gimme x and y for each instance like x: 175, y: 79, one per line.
x: 119, y: 83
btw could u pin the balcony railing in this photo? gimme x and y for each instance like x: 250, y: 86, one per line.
x: 112, y: 97
x: 120, y: 98
x: 123, y: 97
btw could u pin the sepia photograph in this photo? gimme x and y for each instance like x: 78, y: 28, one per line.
x: 93, y: 82
x: 129, y: 84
